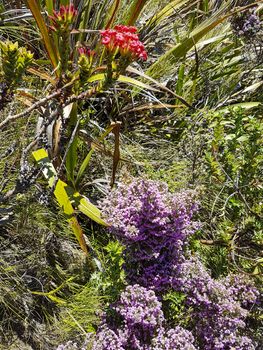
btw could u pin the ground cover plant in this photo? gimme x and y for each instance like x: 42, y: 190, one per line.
x: 131, y: 175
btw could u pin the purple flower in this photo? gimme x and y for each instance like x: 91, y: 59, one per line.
x: 174, y: 339
x: 107, y: 339
x: 154, y: 226
x: 218, y: 316
x: 141, y: 315
x: 142, y: 325
x: 68, y: 346
x: 242, y: 289
x: 246, y: 24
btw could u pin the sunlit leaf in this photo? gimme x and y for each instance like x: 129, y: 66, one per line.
x: 50, y: 47
x: 165, y: 63
x: 42, y: 75
x: 67, y: 198
x: 135, y: 82
x: 86, y: 161
x: 245, y: 105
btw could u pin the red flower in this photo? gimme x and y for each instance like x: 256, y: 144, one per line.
x: 123, y: 39
x: 63, y: 18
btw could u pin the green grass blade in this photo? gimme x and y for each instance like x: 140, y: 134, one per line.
x: 134, y: 11
x: 165, y: 63
x: 180, y: 80
x: 49, y: 7
x: 245, y: 105
x: 83, y: 167
x: 86, y: 161
x: 159, y: 85
x: 72, y: 156
x: 167, y: 11
x: 85, y: 19
x: 123, y: 79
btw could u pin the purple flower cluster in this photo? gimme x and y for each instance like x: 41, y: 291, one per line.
x: 68, y: 346
x: 174, y: 339
x: 242, y: 290
x: 218, y: 316
x: 246, y: 24
x: 154, y: 226
x: 141, y: 312
x: 139, y: 325
x: 107, y: 339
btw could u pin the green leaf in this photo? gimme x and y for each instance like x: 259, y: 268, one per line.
x: 48, y: 169
x: 88, y: 209
x: 72, y: 156
x: 134, y: 11
x: 49, y: 7
x: 112, y: 13
x: 180, y: 80
x: 137, y: 83
x: 50, y: 48
x: 243, y: 138
x: 159, y: 85
x: 96, y: 77
x: 67, y: 198
x: 123, y: 79
x: 245, y: 105
x: 83, y: 167
x: 253, y: 87
x: 88, y: 157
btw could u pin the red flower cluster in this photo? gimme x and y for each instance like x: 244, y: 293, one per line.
x: 125, y: 40
x: 63, y: 18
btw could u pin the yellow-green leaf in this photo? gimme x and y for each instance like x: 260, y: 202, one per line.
x: 67, y: 197
x: 135, y: 82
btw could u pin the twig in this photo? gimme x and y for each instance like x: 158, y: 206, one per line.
x: 34, y: 106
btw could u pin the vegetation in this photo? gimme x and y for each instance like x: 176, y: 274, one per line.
x: 131, y: 174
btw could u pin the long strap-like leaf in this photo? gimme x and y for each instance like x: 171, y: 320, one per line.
x: 112, y: 13
x: 67, y: 198
x: 134, y: 11
x: 50, y: 48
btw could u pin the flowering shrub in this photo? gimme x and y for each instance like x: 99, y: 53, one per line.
x: 138, y: 324
x: 154, y: 226
x: 219, y: 318
x: 123, y: 39
x: 107, y: 339
x: 68, y: 346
